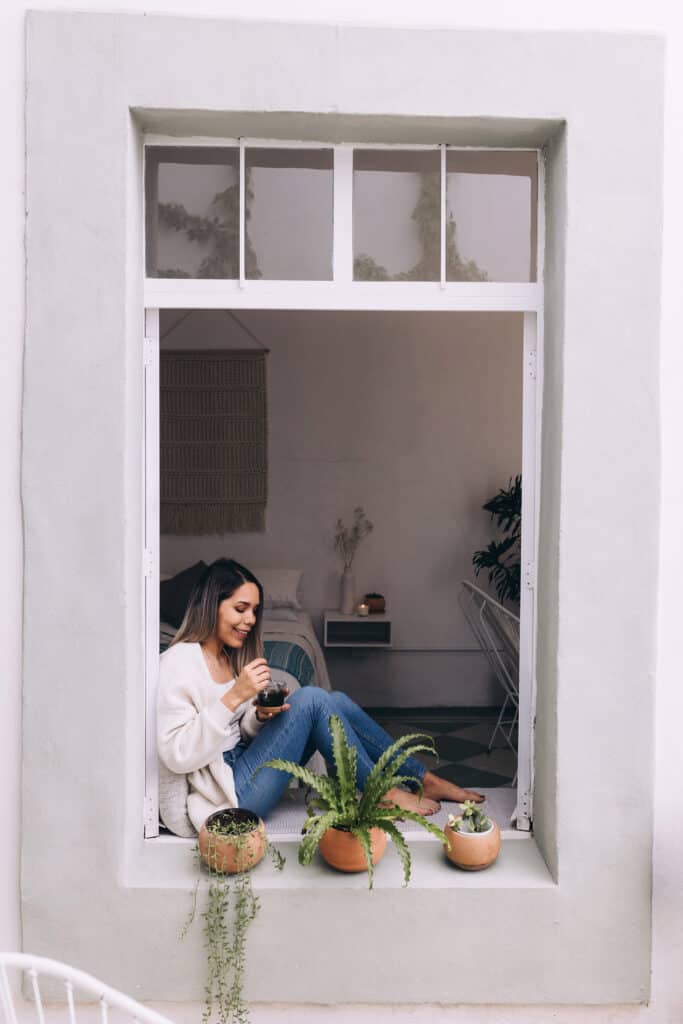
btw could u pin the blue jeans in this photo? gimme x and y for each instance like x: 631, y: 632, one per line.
x: 295, y: 735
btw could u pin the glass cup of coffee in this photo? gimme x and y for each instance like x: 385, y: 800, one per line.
x: 272, y: 696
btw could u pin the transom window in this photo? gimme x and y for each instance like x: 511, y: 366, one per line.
x: 286, y: 212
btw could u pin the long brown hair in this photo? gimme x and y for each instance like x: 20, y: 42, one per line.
x: 219, y: 581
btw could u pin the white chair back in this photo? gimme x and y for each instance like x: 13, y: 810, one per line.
x: 497, y: 632
x: 75, y: 988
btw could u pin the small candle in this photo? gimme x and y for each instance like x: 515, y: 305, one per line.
x: 363, y: 609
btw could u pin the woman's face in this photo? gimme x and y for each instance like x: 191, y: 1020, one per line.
x: 237, y: 615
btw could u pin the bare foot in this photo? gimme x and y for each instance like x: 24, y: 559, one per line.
x: 441, y: 789
x: 411, y: 801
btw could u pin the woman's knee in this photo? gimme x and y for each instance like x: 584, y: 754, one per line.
x: 309, y: 697
x: 341, y: 701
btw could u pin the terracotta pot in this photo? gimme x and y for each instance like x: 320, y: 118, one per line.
x: 473, y: 851
x: 232, y: 854
x: 376, y: 605
x: 343, y: 851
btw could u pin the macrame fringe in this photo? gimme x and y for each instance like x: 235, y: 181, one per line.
x: 199, y: 519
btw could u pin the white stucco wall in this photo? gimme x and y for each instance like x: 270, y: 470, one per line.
x: 662, y: 17
x: 82, y: 486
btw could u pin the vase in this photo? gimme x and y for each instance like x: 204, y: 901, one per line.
x: 348, y: 593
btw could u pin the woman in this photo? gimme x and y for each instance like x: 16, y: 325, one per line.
x: 211, y: 728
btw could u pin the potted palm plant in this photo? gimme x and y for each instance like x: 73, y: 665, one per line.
x: 349, y: 828
x: 502, y: 558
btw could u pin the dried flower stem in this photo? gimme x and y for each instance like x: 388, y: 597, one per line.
x: 347, y: 539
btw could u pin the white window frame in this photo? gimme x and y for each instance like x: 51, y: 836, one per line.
x: 343, y: 293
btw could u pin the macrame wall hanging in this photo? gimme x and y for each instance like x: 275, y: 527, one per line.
x: 214, y: 431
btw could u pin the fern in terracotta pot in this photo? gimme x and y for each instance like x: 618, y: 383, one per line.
x: 350, y: 828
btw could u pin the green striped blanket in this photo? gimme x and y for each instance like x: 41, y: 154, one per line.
x: 290, y: 658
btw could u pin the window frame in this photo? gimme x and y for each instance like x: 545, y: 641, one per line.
x: 342, y: 293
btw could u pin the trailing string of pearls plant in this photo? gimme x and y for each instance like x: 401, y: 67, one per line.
x: 231, y: 843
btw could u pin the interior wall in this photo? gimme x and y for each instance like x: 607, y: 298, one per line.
x: 414, y: 417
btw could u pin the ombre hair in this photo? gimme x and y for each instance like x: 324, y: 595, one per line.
x: 219, y: 581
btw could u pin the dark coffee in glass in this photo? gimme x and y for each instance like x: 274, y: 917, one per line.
x: 273, y: 696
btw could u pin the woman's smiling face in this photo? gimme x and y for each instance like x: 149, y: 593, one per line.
x: 237, y: 615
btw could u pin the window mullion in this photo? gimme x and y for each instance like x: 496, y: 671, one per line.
x: 342, y: 228
x: 532, y: 368
x: 150, y: 462
x: 243, y: 216
x: 442, y: 276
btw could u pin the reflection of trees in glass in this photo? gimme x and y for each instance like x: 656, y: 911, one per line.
x: 220, y: 227
x: 427, y: 216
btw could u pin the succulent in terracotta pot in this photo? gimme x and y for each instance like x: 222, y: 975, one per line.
x: 473, y: 838
x: 350, y: 828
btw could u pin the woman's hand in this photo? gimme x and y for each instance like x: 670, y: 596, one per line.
x: 253, y: 678
x: 264, y: 714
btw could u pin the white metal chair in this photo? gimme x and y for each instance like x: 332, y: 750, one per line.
x: 75, y: 986
x: 497, y: 632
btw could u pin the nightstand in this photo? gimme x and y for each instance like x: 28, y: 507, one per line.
x: 356, y: 630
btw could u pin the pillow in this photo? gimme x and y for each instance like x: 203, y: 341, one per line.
x: 279, y: 615
x: 174, y: 594
x: 280, y: 587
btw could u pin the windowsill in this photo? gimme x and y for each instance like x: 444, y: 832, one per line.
x: 168, y: 862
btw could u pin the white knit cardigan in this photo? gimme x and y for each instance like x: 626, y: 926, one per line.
x: 194, y: 727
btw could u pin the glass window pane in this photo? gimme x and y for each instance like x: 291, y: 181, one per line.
x: 491, y: 211
x: 396, y: 215
x: 289, y: 206
x: 192, y: 212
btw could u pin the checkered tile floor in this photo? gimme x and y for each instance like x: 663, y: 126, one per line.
x: 461, y: 738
